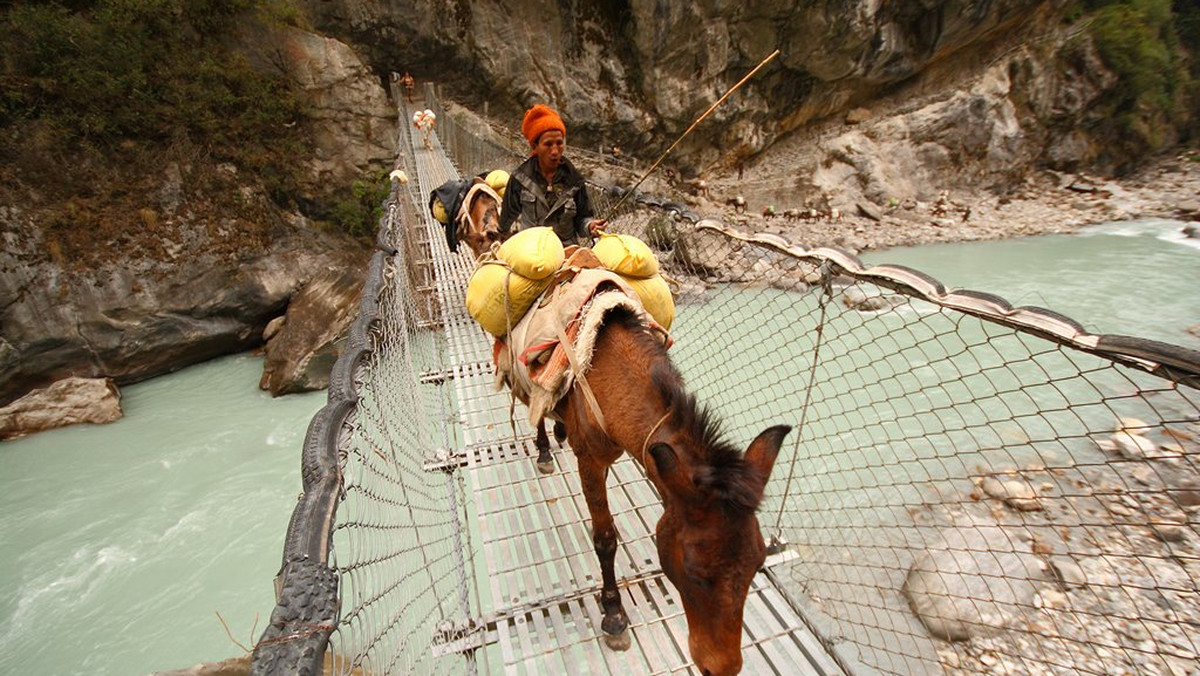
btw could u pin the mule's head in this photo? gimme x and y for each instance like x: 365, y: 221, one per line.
x: 483, y: 222
x: 709, y: 542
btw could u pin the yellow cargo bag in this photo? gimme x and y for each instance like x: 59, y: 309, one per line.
x: 656, y: 297
x: 439, y: 212
x: 497, y: 180
x: 486, y: 297
x: 535, y: 253
x: 626, y: 255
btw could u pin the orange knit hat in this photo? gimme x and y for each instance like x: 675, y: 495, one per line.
x: 538, y: 120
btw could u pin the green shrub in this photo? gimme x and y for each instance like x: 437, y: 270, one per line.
x: 358, y: 213
x: 147, y: 71
x: 1138, y: 39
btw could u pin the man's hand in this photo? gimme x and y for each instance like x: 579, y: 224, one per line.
x: 595, y: 225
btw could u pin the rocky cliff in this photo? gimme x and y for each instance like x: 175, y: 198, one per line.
x: 638, y: 71
x: 197, y: 257
x: 870, y: 103
x: 985, y: 88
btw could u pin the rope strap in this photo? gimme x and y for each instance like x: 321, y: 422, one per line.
x: 586, y: 389
x: 646, y: 443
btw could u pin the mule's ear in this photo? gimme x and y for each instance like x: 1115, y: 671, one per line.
x: 477, y: 181
x: 765, y: 448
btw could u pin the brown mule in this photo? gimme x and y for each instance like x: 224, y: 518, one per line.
x: 480, y: 225
x: 480, y: 229
x: 709, y: 542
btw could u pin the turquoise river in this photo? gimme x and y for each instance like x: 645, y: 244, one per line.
x: 121, y: 544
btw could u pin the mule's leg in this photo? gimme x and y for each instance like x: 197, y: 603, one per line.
x: 615, y: 625
x: 560, y: 431
x: 545, y: 461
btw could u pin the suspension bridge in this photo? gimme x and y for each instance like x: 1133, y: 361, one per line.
x: 426, y: 542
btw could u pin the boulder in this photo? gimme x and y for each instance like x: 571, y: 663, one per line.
x: 273, y: 327
x: 234, y: 666
x: 1188, y: 209
x: 1015, y: 493
x: 301, y: 354
x: 857, y: 115
x: 69, y: 401
x: 703, y: 251
x: 973, y: 582
x: 1067, y: 572
x: 854, y: 299
x: 870, y: 210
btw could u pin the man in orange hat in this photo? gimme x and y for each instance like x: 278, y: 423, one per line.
x: 546, y: 189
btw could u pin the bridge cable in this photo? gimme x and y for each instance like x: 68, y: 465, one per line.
x: 827, y: 273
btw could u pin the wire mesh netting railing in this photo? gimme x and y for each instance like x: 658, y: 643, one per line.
x: 970, y: 488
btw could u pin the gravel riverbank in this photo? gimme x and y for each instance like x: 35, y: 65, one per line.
x: 1048, y: 202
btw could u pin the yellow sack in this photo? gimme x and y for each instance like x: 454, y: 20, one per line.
x: 626, y: 255
x: 656, y: 297
x: 439, y: 212
x: 486, y: 297
x: 497, y: 180
x: 535, y: 253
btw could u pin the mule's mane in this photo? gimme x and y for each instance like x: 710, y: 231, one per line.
x: 718, y: 467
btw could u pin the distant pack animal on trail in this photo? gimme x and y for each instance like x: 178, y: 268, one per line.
x: 424, y: 121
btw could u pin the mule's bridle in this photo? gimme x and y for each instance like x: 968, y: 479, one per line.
x: 646, y: 443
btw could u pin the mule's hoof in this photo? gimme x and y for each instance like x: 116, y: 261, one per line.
x: 615, y: 628
x: 620, y: 641
x: 545, y: 461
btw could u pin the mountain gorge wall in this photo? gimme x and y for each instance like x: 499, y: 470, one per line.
x: 638, y: 72
x: 198, y: 257
x: 869, y: 103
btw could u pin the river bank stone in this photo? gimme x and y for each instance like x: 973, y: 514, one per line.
x: 973, y: 582
x: 301, y: 352
x: 69, y: 401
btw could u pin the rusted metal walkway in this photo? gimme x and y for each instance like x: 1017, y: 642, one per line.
x: 541, y: 574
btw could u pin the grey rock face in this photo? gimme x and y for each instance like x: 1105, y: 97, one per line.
x: 348, y: 114
x: 148, y: 314
x: 641, y: 69
x: 134, y: 319
x: 300, y: 356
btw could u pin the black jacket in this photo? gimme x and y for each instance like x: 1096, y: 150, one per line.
x: 564, y: 205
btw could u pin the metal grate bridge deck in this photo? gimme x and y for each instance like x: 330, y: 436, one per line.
x: 541, y: 573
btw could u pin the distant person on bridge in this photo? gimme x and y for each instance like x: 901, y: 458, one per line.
x: 407, y: 82
x: 546, y: 189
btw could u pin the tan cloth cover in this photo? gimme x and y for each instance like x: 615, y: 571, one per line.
x: 532, y: 360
